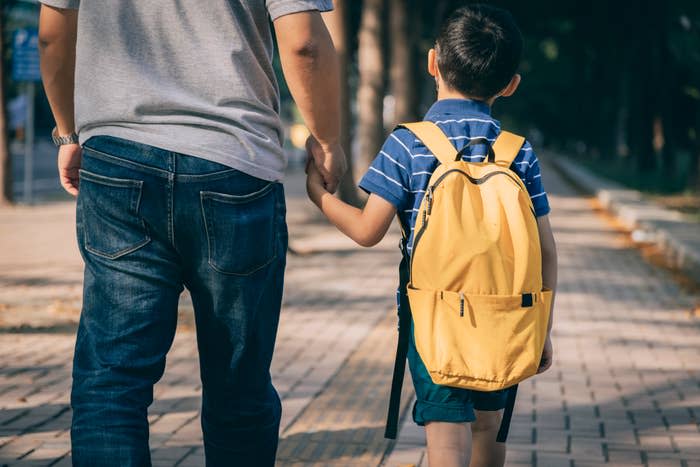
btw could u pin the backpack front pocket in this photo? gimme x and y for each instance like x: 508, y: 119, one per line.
x: 479, y: 342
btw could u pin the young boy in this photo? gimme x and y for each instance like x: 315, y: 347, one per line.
x: 474, y: 62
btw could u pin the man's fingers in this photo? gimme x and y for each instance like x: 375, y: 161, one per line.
x: 331, y: 187
x: 70, y: 184
x: 70, y: 187
x: 331, y: 183
x: 340, y: 168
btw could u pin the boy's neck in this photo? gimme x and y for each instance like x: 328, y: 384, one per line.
x: 450, y: 94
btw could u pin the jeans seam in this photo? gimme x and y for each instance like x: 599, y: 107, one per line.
x: 125, y: 162
x: 206, y: 177
x: 171, y: 195
x: 111, y: 181
x: 121, y: 253
x: 209, y: 176
x: 238, y: 199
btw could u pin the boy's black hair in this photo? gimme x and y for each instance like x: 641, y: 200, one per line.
x: 478, y: 50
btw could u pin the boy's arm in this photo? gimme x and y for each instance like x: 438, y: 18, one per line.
x: 549, y: 259
x: 366, y: 227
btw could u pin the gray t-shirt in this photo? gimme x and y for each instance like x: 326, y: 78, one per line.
x: 184, y: 75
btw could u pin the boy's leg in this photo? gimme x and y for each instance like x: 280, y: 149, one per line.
x: 449, y: 444
x: 445, y: 412
x: 486, y: 451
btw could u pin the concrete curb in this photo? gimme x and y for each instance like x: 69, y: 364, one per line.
x: 676, y: 235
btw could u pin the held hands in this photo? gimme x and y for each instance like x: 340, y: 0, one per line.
x: 329, y: 161
x: 315, y: 185
x: 69, y: 159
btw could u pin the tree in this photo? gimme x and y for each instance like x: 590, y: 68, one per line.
x: 370, y: 93
x: 402, y: 70
x: 641, y: 76
x: 5, y: 161
x: 337, y: 24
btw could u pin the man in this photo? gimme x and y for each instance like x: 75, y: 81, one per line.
x: 176, y: 166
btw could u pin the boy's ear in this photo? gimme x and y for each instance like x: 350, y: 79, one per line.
x: 512, y: 86
x: 432, y: 63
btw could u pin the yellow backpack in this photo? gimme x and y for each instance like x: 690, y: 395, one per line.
x: 474, y: 281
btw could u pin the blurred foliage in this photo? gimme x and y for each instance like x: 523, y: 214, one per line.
x: 614, y: 84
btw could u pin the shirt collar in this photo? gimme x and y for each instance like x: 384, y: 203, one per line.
x: 458, y: 107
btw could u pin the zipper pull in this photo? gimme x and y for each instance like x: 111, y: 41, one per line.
x: 429, y: 194
x: 461, y: 304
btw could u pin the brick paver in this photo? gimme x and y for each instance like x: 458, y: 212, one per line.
x: 624, y: 389
x: 344, y: 425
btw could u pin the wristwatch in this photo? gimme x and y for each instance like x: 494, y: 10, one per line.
x: 61, y: 140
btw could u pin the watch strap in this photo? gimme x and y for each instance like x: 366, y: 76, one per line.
x: 62, y: 140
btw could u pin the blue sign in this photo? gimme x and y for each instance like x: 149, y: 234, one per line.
x: 25, y: 55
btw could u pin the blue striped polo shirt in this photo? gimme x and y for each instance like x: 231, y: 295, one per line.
x: 401, y: 171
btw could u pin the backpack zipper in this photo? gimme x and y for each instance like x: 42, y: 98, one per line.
x: 429, y: 193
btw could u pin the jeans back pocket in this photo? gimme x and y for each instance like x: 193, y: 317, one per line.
x: 240, y: 230
x: 108, y: 210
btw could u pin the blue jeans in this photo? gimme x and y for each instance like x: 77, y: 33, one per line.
x: 149, y: 222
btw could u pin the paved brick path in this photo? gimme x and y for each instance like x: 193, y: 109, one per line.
x: 624, y: 389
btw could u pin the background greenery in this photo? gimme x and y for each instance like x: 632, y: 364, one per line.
x: 615, y: 84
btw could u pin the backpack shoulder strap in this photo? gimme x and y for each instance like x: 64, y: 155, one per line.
x: 507, y: 146
x: 434, y: 139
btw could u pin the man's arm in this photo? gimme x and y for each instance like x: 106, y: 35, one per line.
x: 365, y: 226
x: 310, y: 66
x: 57, y: 36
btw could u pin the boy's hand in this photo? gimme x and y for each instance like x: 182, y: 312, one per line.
x: 547, y: 354
x: 315, y: 185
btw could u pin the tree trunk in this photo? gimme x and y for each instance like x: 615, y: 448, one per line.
x: 5, y: 161
x: 427, y: 33
x: 402, y: 70
x: 606, y: 79
x: 337, y: 24
x: 694, y: 169
x: 666, y: 82
x: 370, y: 93
x: 642, y: 95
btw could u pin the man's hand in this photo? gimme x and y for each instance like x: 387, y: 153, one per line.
x: 547, y: 355
x: 329, y: 161
x: 69, y: 159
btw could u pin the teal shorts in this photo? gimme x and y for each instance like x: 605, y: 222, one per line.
x: 436, y: 403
